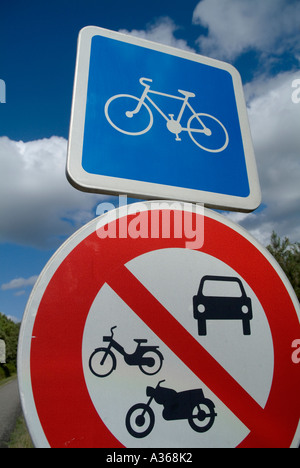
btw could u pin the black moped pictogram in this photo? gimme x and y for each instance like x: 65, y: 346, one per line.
x: 103, y: 361
x: 190, y: 405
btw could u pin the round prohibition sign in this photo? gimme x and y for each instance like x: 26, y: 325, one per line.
x: 56, y: 402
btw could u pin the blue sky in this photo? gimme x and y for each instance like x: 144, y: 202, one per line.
x: 38, y: 207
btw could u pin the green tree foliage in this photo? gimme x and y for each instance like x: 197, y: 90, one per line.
x: 288, y: 257
x: 9, y: 332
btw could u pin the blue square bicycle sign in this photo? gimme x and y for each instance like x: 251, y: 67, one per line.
x: 151, y: 121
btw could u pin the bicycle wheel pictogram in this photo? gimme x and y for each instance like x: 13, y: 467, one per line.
x: 208, y: 133
x: 119, y: 111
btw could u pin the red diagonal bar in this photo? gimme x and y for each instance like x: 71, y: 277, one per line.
x: 199, y: 361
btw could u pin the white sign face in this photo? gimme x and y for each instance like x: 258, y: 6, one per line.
x: 2, y: 352
x: 116, y: 394
x: 151, y: 121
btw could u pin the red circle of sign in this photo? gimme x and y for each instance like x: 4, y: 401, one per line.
x: 63, y: 404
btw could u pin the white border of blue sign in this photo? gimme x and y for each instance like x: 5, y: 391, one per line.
x: 82, y: 180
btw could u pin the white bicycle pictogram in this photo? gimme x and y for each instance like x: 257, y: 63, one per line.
x: 205, y: 130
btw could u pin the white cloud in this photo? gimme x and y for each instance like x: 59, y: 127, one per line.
x: 163, y: 31
x: 271, y: 28
x: 38, y: 206
x: 13, y: 318
x: 275, y: 127
x: 236, y: 26
x: 19, y: 283
x: 20, y: 293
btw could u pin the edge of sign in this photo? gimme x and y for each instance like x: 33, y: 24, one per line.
x: 25, y: 339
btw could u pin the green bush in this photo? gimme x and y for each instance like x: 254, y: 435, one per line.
x: 287, y: 255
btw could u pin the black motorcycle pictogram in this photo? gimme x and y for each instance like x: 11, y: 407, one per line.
x: 190, y: 405
x: 103, y: 361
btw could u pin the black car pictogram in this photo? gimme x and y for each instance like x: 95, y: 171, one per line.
x: 222, y: 298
